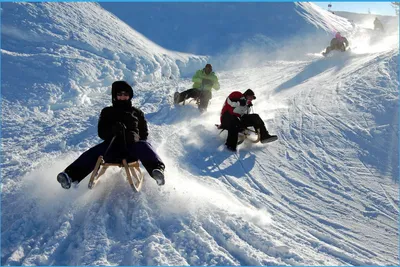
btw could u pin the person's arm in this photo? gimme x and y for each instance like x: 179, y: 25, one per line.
x: 216, y: 85
x: 104, y: 127
x: 136, y: 125
x: 346, y: 41
x: 236, y: 99
x: 211, y: 81
x: 143, y: 130
x: 197, y: 77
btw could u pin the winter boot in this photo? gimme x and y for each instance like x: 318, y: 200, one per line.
x: 231, y: 148
x: 269, y: 138
x: 176, y: 98
x: 64, y: 180
x: 158, y: 175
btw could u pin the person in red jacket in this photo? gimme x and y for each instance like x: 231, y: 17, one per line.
x: 235, y: 116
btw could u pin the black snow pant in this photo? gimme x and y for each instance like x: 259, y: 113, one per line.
x: 203, y: 95
x: 235, y: 124
x: 340, y: 47
x: 141, y: 150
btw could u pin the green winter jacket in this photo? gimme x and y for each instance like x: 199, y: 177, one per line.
x: 198, y: 80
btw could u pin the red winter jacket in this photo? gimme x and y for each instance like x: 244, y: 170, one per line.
x: 232, y: 105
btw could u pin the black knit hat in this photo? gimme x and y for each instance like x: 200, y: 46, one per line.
x: 120, y: 86
x: 250, y: 93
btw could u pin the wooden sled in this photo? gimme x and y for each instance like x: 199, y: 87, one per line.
x: 133, y: 173
x: 247, y: 133
x: 195, y: 100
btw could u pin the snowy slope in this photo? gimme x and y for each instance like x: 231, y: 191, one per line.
x: 326, y: 193
x: 367, y: 21
x: 212, y: 28
x: 58, y: 55
x: 64, y: 47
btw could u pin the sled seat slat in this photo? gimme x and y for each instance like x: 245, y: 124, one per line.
x: 130, y: 164
x: 132, y: 169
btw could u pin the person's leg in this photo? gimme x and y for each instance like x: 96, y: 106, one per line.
x: 205, y: 97
x: 143, y: 151
x: 337, y: 47
x: 191, y: 93
x: 258, y: 124
x: 328, y: 49
x: 226, y: 120
x: 86, y: 162
x: 232, y: 124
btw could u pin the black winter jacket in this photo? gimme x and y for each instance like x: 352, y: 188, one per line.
x: 133, y: 118
x: 337, y: 44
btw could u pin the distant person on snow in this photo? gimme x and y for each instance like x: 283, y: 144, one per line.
x: 338, y: 43
x: 378, y: 26
x: 126, y: 127
x: 203, y: 82
x: 235, y: 116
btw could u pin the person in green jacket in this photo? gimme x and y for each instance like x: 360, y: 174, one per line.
x: 203, y: 82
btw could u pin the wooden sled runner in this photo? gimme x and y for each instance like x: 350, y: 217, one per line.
x: 133, y: 173
x: 247, y: 133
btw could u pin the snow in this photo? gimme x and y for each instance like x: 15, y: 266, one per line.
x: 325, y: 193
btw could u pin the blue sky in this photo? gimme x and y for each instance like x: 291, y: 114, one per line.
x: 378, y: 8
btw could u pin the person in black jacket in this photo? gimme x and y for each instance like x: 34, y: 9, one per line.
x: 339, y: 43
x: 378, y: 26
x: 126, y: 127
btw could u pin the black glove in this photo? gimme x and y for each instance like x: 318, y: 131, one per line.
x: 207, y: 82
x: 242, y: 101
x: 118, y: 128
x: 250, y: 104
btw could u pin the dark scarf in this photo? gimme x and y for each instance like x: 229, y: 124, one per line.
x: 124, y: 105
